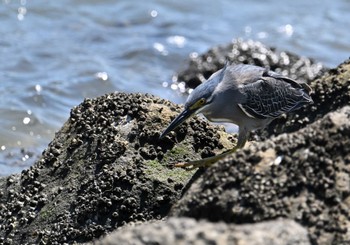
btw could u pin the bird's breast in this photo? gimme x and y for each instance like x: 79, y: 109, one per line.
x: 224, y: 114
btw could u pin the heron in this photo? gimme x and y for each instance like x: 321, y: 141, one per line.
x: 248, y: 96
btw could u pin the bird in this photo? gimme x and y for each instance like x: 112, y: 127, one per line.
x: 248, y: 96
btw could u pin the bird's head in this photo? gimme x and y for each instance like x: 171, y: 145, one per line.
x: 198, y: 101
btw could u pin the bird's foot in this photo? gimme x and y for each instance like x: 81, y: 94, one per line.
x: 205, y: 162
x: 191, y: 165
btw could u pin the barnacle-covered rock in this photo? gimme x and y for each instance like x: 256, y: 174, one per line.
x: 302, y: 176
x: 105, y: 168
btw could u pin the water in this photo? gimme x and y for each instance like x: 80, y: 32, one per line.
x: 55, y: 53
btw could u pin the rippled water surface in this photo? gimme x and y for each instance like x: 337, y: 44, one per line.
x: 55, y: 53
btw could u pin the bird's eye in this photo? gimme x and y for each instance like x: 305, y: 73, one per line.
x: 201, y: 101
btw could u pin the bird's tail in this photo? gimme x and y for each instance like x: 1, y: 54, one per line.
x: 307, y: 88
x: 306, y: 92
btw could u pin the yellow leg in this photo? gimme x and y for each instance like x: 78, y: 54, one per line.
x: 205, y: 162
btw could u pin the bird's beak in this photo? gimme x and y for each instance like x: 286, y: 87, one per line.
x: 187, y: 113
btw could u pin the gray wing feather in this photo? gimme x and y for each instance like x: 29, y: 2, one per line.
x: 272, y: 95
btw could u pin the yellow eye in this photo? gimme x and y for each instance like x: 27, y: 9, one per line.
x: 198, y: 104
x: 201, y: 101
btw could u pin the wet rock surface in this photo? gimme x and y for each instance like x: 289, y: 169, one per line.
x: 106, y: 167
x: 187, y: 231
x: 239, y: 51
x: 302, y: 176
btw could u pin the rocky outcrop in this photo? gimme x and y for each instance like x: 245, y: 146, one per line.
x: 302, y: 176
x: 105, y: 168
x: 186, y: 231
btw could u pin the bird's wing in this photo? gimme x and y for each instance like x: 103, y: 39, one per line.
x: 272, y: 95
x: 293, y: 83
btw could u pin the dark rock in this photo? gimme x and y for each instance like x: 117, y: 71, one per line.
x: 302, y: 176
x: 187, y: 231
x: 105, y: 168
x: 201, y: 67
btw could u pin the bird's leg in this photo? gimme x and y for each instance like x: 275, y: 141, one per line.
x: 207, y: 162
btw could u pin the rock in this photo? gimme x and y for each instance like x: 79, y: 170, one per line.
x: 201, y: 67
x: 105, y: 168
x: 186, y: 231
x: 302, y: 176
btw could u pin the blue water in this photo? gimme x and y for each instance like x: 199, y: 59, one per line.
x: 55, y: 53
